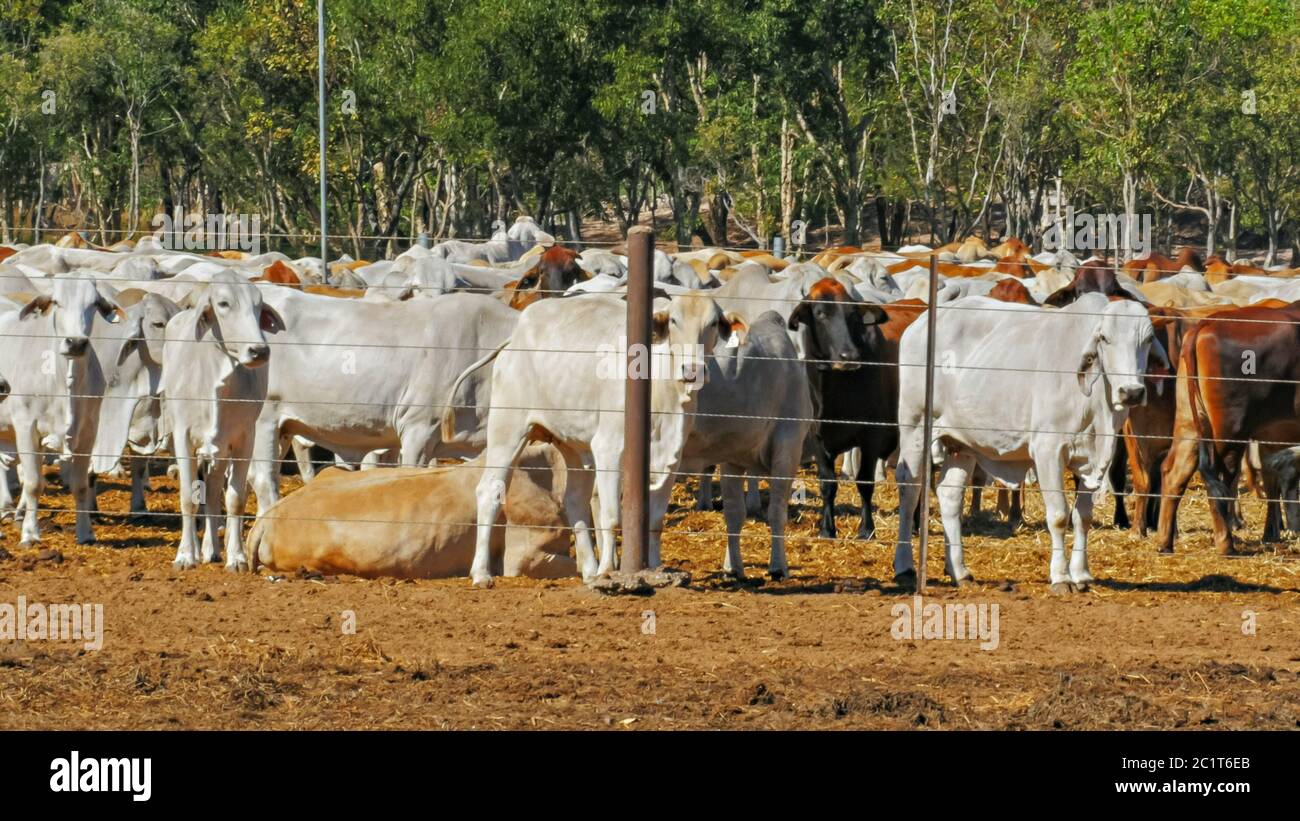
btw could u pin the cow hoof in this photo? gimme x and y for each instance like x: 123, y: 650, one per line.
x: 483, y: 582
x: 85, y: 540
x: 906, y: 579
x: 867, y: 535
x: 1063, y: 588
x: 1168, y: 551
x: 965, y: 581
x: 183, y: 564
x: 1081, y: 587
x: 29, y: 544
x: 778, y: 574
x: 237, y: 567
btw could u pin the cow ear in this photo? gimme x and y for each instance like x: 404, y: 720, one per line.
x: 1164, y: 368
x: 38, y: 305
x: 733, y: 326
x: 659, y: 327
x: 270, y: 320
x: 135, y: 340
x: 873, y: 314
x: 798, y: 316
x: 1061, y: 298
x: 109, y: 309
x: 1088, y: 370
x: 408, y: 291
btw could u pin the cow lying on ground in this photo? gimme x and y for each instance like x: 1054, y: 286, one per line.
x: 418, y: 523
x: 1009, y: 403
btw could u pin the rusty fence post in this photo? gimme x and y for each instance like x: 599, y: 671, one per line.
x: 636, y: 401
x: 928, y: 426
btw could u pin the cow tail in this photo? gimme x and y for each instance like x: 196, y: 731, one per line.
x: 1215, y: 487
x: 449, y: 412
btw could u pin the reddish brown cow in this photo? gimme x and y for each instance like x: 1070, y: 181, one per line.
x: 6, y: 252
x: 1157, y: 266
x: 1237, y: 381
x: 1093, y: 276
x: 1012, y: 290
x: 555, y: 272
x: 280, y: 274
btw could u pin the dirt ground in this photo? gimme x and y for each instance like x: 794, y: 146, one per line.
x: 1157, y: 643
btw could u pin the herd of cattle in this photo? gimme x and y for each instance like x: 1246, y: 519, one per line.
x: 470, y: 376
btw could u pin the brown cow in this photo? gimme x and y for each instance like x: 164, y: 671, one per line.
x: 1093, y: 276
x: 1148, y: 431
x: 280, y: 274
x: 1237, y: 381
x: 1156, y: 266
x: 418, y: 523
x: 554, y: 273
x: 1012, y: 290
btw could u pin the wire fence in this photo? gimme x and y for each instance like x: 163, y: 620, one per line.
x: 396, y: 405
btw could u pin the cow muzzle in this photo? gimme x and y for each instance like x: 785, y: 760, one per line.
x: 74, y: 346
x: 1132, y: 395
x: 255, y: 355
x: 4, y: 389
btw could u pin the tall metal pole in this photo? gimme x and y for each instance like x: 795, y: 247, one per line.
x: 320, y: 116
x: 636, y: 400
x: 928, y: 425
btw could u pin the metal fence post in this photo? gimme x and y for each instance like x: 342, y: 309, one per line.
x: 320, y: 116
x: 636, y: 400
x: 928, y: 425
x: 778, y: 246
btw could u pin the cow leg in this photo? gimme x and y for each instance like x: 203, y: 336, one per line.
x: 659, y: 500
x: 1118, y: 476
x: 978, y: 479
x: 264, y: 469
x: 302, y: 455
x: 733, y: 515
x: 1175, y: 475
x: 830, y: 487
x: 1220, y: 474
x: 1082, y: 521
x: 607, y: 455
x: 214, y: 482
x: 30, y: 459
x: 851, y: 466
x: 578, y: 483
x: 506, y: 441
x: 188, y: 490
x: 1051, y: 484
x: 417, y: 446
x: 951, y: 491
x: 908, y: 479
x: 79, y: 488
x: 867, y: 492
x: 236, y: 498
x: 753, y: 499
x: 784, y: 466
x: 139, y: 480
x: 704, y: 496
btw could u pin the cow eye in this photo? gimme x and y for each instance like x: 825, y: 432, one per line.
x: 223, y: 305
x: 159, y: 324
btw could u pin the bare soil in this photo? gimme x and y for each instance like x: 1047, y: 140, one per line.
x: 1157, y: 643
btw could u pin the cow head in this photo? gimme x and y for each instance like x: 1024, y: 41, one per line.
x: 834, y: 325
x: 72, y: 303
x: 684, y: 330
x: 232, y: 310
x: 148, y: 317
x: 557, y: 269
x: 1121, y: 341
